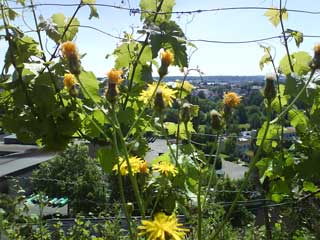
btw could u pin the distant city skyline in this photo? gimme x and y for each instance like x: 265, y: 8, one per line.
x: 212, y: 58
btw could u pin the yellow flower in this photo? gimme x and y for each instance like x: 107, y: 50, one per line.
x: 69, y: 81
x: 186, y: 86
x: 136, y: 163
x: 114, y: 76
x: 143, y: 168
x: 165, y: 168
x: 231, y: 99
x: 167, y: 93
x: 69, y: 49
x: 167, y: 57
x: 162, y: 227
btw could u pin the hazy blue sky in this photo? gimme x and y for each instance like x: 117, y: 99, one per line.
x: 213, y: 59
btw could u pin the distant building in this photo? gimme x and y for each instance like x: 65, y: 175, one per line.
x: 289, y: 133
x: 18, y: 161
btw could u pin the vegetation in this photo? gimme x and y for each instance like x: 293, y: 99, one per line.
x: 51, y: 99
x: 74, y: 175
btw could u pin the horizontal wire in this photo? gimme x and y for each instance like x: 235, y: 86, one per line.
x: 139, y: 10
x: 186, y: 40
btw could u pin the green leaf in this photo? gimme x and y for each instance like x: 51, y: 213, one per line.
x: 99, y: 117
x: 266, y: 58
x: 173, y: 39
x: 12, y: 14
x: 57, y: 24
x: 123, y: 55
x: 309, y: 187
x: 90, y: 83
x: 93, y: 9
x: 107, y: 158
x: 298, y: 37
x: 283, y: 98
x: 162, y: 158
x: 276, y: 197
x: 152, y: 5
x: 22, y: 2
x: 274, y: 15
x: 143, y: 74
x: 300, y: 62
x: 183, y: 132
x: 265, y: 168
x: 273, y: 132
x: 171, y: 127
x: 298, y: 120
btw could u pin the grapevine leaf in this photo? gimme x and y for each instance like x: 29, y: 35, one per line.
x: 297, y: 36
x: 298, y: 120
x: 22, y: 2
x: 91, y: 85
x: 283, y: 98
x: 171, y: 127
x: 309, y: 187
x: 183, y: 132
x: 273, y: 132
x: 162, y: 158
x: 93, y: 9
x: 266, y: 58
x: 108, y: 158
x: 171, y: 38
x: 300, y: 62
x: 274, y: 15
x: 56, y: 25
x: 149, y: 7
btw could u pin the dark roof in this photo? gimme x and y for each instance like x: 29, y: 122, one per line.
x: 9, y: 164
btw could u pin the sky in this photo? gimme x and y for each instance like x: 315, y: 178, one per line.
x: 211, y: 58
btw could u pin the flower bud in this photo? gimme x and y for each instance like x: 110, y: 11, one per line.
x: 270, y: 89
x: 130, y: 208
x: 112, y: 92
x: 69, y: 81
x: 73, y: 91
x: 114, y: 76
x: 70, y: 52
x: 216, y: 120
x: 74, y: 64
x: 167, y: 59
x: 159, y: 104
x: 186, y: 112
x: 315, y: 64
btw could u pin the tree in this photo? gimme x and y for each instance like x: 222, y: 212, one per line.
x: 242, y: 114
x: 255, y: 121
x: 74, y: 175
x: 202, y: 95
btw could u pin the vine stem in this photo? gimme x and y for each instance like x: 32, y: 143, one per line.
x: 66, y: 30
x: 213, y: 171
x: 120, y: 184
x: 143, y: 109
x: 135, y: 64
x: 179, y: 110
x: 199, y: 230
x: 285, y: 38
x: 167, y: 141
x: 295, y: 99
x: 43, y: 53
x: 248, y: 174
x: 116, y: 126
